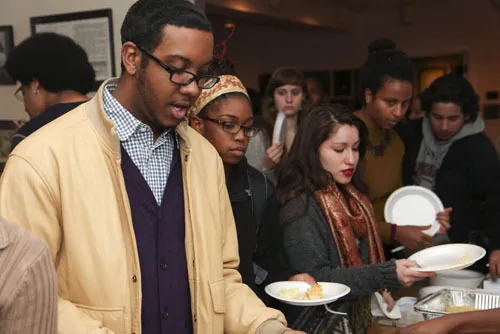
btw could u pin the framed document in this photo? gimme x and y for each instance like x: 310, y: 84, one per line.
x: 93, y: 30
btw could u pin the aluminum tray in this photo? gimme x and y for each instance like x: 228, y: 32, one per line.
x: 434, y: 305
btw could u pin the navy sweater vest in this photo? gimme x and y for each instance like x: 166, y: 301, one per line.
x: 159, y: 233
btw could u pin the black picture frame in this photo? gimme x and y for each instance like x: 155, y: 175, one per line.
x: 343, y: 83
x: 6, y: 45
x: 104, y: 68
x: 7, y: 131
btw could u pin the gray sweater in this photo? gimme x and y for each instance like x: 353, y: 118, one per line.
x: 309, y: 247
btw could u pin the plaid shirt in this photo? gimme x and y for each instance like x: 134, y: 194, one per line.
x: 154, y: 159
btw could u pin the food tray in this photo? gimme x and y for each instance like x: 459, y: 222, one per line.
x: 434, y: 305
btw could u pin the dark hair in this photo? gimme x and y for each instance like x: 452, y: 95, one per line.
x: 56, y: 61
x: 145, y: 20
x: 452, y: 88
x: 302, y: 171
x: 384, y: 62
x: 281, y: 77
x: 256, y: 99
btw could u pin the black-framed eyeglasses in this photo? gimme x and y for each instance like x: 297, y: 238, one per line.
x: 233, y: 128
x: 18, y: 94
x: 182, y: 77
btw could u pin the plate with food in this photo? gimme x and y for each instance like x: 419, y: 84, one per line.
x: 448, y: 257
x: 415, y: 206
x: 304, y: 294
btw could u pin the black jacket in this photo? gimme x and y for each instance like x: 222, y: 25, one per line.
x: 255, y: 210
x: 53, y: 112
x: 468, y: 180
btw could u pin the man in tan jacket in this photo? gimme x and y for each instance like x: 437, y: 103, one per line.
x: 131, y: 201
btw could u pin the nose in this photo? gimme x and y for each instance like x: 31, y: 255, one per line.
x: 289, y: 98
x: 240, y: 135
x: 398, y: 111
x: 191, y: 90
x: 350, y: 158
x: 444, y: 125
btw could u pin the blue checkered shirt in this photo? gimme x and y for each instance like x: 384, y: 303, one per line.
x: 153, y: 159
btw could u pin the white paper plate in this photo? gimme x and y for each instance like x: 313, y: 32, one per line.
x: 331, y: 292
x: 414, y: 205
x: 278, y: 124
x: 444, y: 258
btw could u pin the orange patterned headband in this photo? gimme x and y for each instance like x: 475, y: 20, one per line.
x: 227, y: 84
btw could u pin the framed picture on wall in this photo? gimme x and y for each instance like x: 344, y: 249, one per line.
x: 6, y: 44
x: 343, y: 83
x: 7, y: 131
x: 426, y: 76
x: 93, y: 30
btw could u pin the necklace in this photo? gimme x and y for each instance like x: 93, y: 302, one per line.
x: 379, y: 149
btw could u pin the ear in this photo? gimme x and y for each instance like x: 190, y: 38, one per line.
x: 197, y: 124
x: 35, y: 86
x: 368, y: 96
x: 131, y: 58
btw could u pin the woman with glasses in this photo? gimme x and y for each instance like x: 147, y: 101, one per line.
x: 55, y: 74
x: 223, y: 115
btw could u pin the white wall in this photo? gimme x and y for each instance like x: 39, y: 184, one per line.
x: 18, y: 12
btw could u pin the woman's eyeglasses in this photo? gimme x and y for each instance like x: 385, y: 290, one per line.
x: 232, y: 127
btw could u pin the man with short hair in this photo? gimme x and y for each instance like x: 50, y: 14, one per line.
x: 131, y: 201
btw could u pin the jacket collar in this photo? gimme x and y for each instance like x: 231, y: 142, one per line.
x: 106, y: 129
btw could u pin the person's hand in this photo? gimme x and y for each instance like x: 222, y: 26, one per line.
x: 303, y: 278
x: 291, y: 331
x: 273, y: 156
x: 19, y: 123
x: 408, y: 276
x: 413, y: 237
x: 443, y: 218
x: 441, y: 325
x: 495, y: 264
x: 391, y: 303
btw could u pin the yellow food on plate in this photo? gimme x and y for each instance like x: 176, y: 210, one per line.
x: 289, y: 293
x: 314, y: 292
x: 464, y: 259
x: 459, y: 309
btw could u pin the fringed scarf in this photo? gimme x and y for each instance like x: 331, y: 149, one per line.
x: 351, y: 216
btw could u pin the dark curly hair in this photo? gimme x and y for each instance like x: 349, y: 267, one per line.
x: 302, y: 171
x: 145, y: 20
x: 56, y: 61
x: 452, y: 88
x: 384, y: 62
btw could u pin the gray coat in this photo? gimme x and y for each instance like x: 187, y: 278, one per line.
x: 309, y: 247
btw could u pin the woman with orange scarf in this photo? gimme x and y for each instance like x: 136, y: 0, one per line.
x: 329, y: 225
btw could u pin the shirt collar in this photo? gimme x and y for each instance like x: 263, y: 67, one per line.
x: 126, y: 123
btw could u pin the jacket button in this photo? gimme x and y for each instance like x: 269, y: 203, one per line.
x: 165, y: 314
x: 186, y: 157
x: 163, y: 265
x: 195, y: 318
x: 134, y: 279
